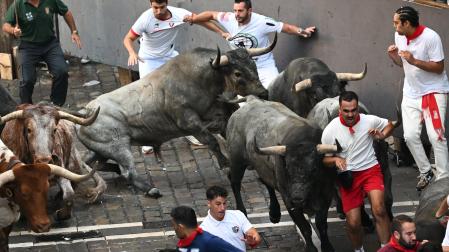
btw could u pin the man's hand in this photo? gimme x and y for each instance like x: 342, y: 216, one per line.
x: 16, y: 31
x: 76, y: 39
x: 226, y: 35
x: 306, y: 33
x: 133, y: 59
x: 408, y: 56
x: 340, y: 163
x: 252, y: 238
x: 188, y: 18
x: 376, y: 134
x: 392, y: 50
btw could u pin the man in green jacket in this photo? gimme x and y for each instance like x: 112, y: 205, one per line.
x: 31, y: 21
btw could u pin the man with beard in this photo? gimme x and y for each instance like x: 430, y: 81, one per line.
x: 359, y: 171
x: 418, y: 49
x: 230, y: 225
x: 403, y: 237
x: 250, y: 30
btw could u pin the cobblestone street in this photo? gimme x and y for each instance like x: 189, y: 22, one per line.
x: 124, y: 219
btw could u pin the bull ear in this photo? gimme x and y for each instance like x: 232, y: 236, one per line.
x: 352, y: 76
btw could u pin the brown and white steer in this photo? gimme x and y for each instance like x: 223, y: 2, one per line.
x: 43, y: 134
x: 25, y: 187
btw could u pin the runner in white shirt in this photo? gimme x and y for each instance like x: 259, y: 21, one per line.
x: 418, y: 49
x: 158, y: 28
x: 355, y: 132
x: 251, y: 30
x: 230, y: 225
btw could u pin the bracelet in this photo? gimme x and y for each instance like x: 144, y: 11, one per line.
x: 75, y: 32
x: 299, y: 30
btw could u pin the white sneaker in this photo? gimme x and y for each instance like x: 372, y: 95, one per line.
x: 192, y: 140
x: 147, y: 149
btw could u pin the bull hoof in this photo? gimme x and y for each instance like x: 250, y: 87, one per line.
x: 275, y: 219
x: 311, y: 248
x: 154, y: 193
x: 92, y: 196
x: 327, y: 247
x: 63, y: 214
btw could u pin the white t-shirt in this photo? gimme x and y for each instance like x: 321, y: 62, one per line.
x: 158, y: 36
x: 231, y: 228
x: 357, y: 148
x: 252, y: 35
x: 426, y: 47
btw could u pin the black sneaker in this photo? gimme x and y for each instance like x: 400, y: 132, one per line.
x: 424, y: 180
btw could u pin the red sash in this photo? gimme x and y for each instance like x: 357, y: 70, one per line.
x: 430, y: 108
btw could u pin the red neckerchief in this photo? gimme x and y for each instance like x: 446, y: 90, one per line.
x: 416, y: 34
x: 185, y: 242
x: 394, y: 243
x: 351, y: 130
x: 430, y: 106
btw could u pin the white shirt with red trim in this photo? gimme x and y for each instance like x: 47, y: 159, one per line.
x: 231, y: 229
x: 357, y: 148
x: 251, y: 35
x: 426, y: 47
x: 158, y: 36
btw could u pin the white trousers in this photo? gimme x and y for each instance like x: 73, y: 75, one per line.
x: 149, y: 65
x: 411, y: 118
x: 267, y: 75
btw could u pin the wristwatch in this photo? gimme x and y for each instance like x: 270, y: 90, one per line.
x: 75, y: 32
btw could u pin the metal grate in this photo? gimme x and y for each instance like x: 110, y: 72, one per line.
x: 68, y: 237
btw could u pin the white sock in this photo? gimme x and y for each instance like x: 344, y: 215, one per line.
x: 360, y: 249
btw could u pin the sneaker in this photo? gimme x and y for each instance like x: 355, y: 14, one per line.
x: 192, y: 140
x: 147, y: 150
x: 424, y: 180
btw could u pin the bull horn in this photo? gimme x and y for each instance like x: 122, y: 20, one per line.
x: 303, y: 85
x: 79, y: 120
x: 329, y: 148
x: 272, y: 150
x: 352, y: 76
x: 11, y: 116
x: 62, y: 172
x: 6, y: 177
x: 260, y: 51
x: 222, y: 144
x: 219, y: 60
x: 398, y: 122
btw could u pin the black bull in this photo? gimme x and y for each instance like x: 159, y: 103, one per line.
x: 283, y: 148
x: 427, y: 226
x: 183, y: 97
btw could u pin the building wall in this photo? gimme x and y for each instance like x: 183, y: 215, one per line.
x: 350, y: 33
